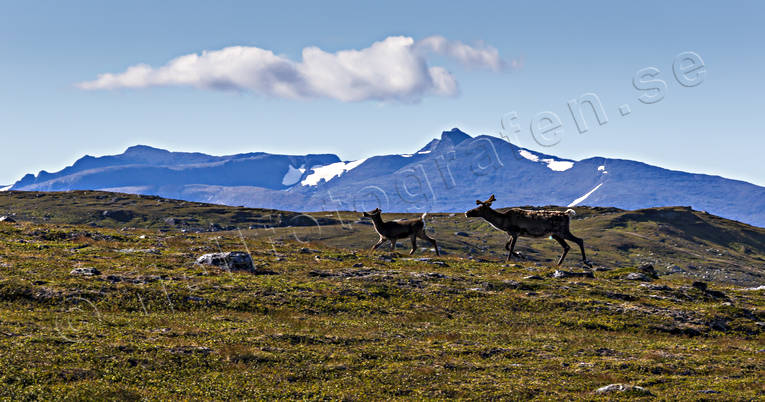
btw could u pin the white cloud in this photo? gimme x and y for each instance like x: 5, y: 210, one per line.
x: 395, y: 68
x: 479, y: 56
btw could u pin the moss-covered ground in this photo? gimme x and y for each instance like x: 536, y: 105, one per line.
x: 322, y: 318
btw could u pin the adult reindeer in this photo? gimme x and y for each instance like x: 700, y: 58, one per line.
x: 394, y: 230
x: 518, y: 222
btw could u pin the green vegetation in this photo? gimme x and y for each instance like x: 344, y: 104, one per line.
x: 332, y: 321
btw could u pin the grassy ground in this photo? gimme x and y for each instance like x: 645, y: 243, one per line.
x: 330, y: 320
x: 697, y: 244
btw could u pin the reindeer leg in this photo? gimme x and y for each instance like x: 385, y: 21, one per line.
x: 424, y: 236
x: 379, y: 243
x: 511, y: 244
x: 580, y: 242
x: 565, y: 246
x: 414, y: 244
x: 393, y: 245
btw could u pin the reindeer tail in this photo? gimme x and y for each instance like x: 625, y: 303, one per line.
x: 570, y: 212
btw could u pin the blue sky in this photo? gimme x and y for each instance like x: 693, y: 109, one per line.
x: 560, y: 49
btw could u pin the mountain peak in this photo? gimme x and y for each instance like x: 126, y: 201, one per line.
x: 142, y: 149
x: 455, y: 136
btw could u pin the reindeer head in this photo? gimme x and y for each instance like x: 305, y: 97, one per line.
x: 373, y: 213
x: 481, y: 209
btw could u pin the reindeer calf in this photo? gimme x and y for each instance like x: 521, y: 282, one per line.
x: 520, y: 222
x: 394, y: 230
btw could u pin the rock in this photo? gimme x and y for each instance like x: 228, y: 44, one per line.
x: 345, y: 273
x: 85, y: 272
x: 623, y: 388
x: 499, y: 286
x: 648, y: 270
x: 650, y: 286
x: 385, y: 258
x: 702, y: 286
x: 637, y: 276
x: 462, y: 234
x: 533, y: 277
x: 139, y: 280
x: 358, y: 265
x: 682, y: 329
x: 605, y: 352
x: 139, y: 250
x: 568, y: 274
x: 118, y: 215
x: 719, y: 324
x: 494, y: 351
x: 190, y: 350
x: 234, y: 261
x: 429, y: 275
x: 716, y: 293
x: 7, y: 219
x: 674, y: 269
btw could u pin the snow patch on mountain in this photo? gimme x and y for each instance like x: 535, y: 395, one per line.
x: 558, y: 166
x: 329, y: 172
x: 416, y: 153
x: 584, y: 197
x: 293, y: 175
x: 6, y: 188
x: 552, y: 164
x: 528, y: 155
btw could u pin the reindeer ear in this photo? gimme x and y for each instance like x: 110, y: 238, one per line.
x: 492, y: 198
x: 478, y: 202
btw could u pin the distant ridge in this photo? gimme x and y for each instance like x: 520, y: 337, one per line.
x: 448, y: 174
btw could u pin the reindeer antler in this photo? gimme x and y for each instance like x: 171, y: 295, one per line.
x: 487, y: 202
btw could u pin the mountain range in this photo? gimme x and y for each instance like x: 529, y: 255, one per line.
x: 446, y: 175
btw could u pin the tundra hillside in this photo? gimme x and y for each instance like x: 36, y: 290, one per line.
x: 93, y: 307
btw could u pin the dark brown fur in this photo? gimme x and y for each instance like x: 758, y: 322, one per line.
x: 395, y: 230
x: 518, y: 222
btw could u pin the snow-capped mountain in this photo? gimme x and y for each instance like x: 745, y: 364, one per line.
x: 448, y: 174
